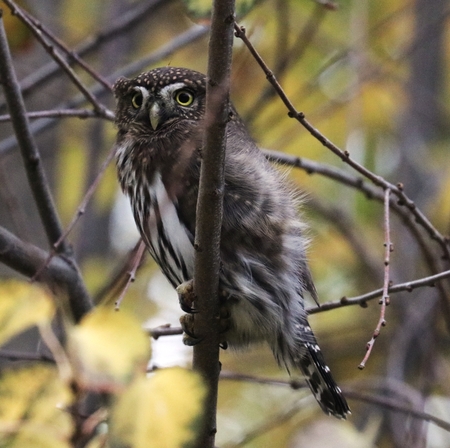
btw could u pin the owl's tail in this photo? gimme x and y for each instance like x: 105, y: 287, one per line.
x: 319, y: 379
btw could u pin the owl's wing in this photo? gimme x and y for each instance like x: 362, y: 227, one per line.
x: 257, y: 204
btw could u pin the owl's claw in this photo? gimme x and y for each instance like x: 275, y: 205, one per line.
x: 190, y: 339
x: 186, y: 296
x: 187, y: 324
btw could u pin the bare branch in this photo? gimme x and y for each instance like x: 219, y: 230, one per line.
x: 362, y: 299
x: 393, y: 405
x: 295, y: 53
x: 79, y: 299
x: 80, y: 211
x: 404, y: 200
x: 124, y: 24
x: 384, y: 301
x: 98, y: 107
x: 72, y: 55
x: 372, y: 192
x: 164, y: 330
x: 180, y: 41
x: 118, y: 279
x: 137, y: 260
x: 386, y: 402
x: 59, y: 113
x: 29, y: 151
x: 26, y: 259
x: 210, y: 210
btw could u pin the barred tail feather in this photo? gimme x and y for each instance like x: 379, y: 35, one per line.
x: 321, y: 383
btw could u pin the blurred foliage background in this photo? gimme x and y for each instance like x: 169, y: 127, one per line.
x: 372, y: 76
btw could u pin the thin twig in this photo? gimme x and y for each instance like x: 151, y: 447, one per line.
x: 364, y: 298
x: 29, y: 151
x: 58, y: 113
x: 87, y: 197
x: 379, y: 181
x: 80, y: 211
x: 293, y: 383
x: 387, y: 402
x: 191, y: 35
x: 384, y: 301
x: 372, y: 192
x: 117, y: 279
x: 271, y: 422
x: 71, y: 55
x: 137, y: 259
x: 98, y: 107
x: 296, y: 52
x: 124, y: 24
x: 79, y: 299
x: 164, y: 330
x: 393, y: 405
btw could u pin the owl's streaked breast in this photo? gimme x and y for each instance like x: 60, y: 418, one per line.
x: 156, y: 215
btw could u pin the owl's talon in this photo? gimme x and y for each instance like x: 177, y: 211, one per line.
x: 223, y: 345
x: 187, y: 324
x: 190, y: 341
x: 187, y: 308
x: 186, y: 296
x: 224, y: 321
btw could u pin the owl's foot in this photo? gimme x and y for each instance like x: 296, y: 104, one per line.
x: 186, y: 296
x: 190, y: 338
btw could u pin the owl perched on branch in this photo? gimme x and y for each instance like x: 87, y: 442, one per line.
x: 264, y: 273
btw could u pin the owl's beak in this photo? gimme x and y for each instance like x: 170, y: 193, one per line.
x: 155, y: 115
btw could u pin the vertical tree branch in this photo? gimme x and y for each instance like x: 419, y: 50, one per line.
x: 80, y: 303
x: 210, y: 209
x: 30, y: 154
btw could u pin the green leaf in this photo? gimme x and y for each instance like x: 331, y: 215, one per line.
x: 162, y: 411
x: 107, y: 349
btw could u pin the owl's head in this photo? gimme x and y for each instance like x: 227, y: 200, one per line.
x: 158, y: 101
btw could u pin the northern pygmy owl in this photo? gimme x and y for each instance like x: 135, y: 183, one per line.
x: 264, y: 273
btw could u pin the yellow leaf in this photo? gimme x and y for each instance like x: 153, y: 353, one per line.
x: 22, y: 305
x: 162, y: 411
x: 107, y: 348
x: 31, y: 408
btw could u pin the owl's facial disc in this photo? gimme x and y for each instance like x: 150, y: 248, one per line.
x: 166, y: 104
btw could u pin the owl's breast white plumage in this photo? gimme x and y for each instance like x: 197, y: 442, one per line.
x: 167, y: 238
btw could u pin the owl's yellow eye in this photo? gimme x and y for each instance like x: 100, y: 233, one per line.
x: 184, y: 98
x: 136, y: 101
